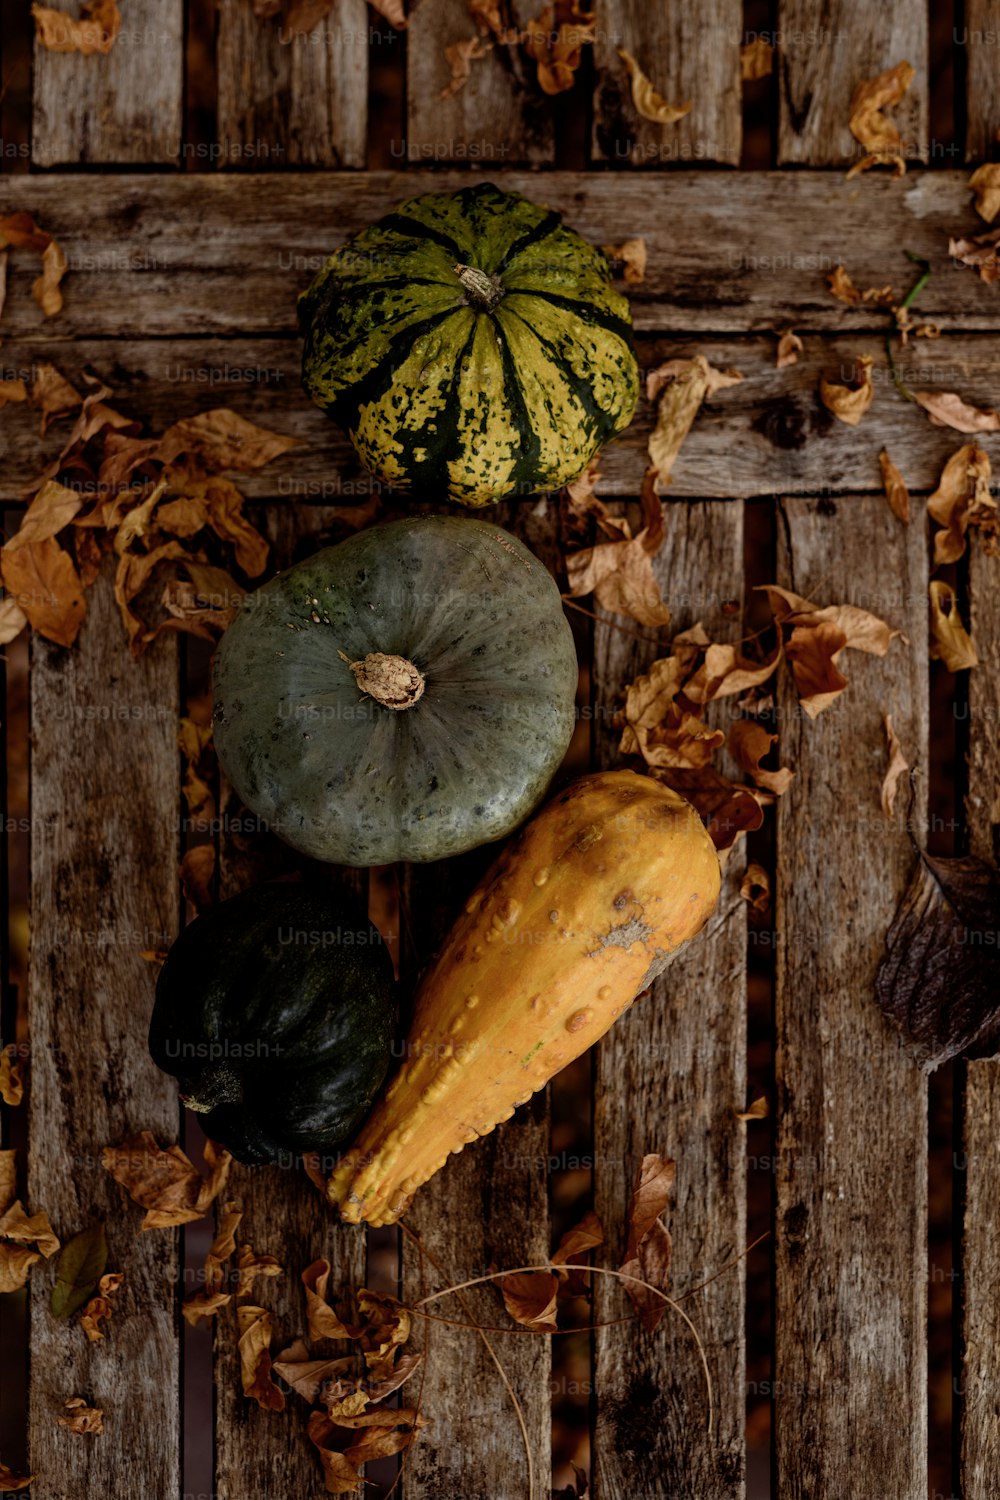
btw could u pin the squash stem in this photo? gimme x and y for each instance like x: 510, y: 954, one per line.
x: 391, y: 680
x: 482, y: 292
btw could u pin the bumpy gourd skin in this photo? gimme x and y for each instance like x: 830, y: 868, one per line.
x: 344, y: 778
x: 275, y: 1014
x: 471, y: 346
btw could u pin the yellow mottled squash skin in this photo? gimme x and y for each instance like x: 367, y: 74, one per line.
x: 575, y: 918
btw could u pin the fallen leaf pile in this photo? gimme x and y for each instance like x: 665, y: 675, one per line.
x: 246, y: 1267
x: 880, y: 138
x: 160, y: 507
x: 553, y: 43
x: 164, y: 1182
x: 24, y: 1239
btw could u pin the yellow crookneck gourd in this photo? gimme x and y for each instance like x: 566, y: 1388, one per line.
x: 576, y: 917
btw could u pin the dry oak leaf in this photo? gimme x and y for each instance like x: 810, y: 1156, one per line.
x: 45, y: 289
x: 164, y: 1181
x: 789, y: 348
x: 460, y: 57
x: 555, y: 42
x: 755, y: 887
x: 649, y: 1249
x: 680, y: 386
x: 749, y: 742
x: 850, y: 402
x: 11, y: 1085
x: 620, y: 574
x: 897, y: 767
x: 12, y: 390
x: 981, y: 251
x: 756, y: 60
x: 42, y: 580
x: 222, y: 439
x: 94, y: 33
x: 98, y: 1309
x: 52, y: 393
x: 895, y: 488
x: 80, y: 1418
x: 630, y: 256
x: 950, y: 641
x: 869, y: 126
x: 197, y: 873
x: 946, y: 409
x: 9, y: 1482
x: 963, y: 499
x: 254, y: 1325
x: 985, y: 183
x: 648, y: 103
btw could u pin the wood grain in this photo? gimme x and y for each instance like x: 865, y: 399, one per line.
x: 124, y: 107
x: 226, y: 254
x: 691, y: 54
x: 828, y: 47
x: 500, y: 118
x: 669, y: 1078
x: 767, y: 435
x: 851, y: 1221
x: 104, y: 842
x: 292, y: 101
x: 262, y: 1454
x: 980, y: 1311
x: 980, y: 35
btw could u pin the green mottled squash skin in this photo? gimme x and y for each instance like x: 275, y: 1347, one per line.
x: 472, y: 346
x: 344, y: 776
x: 275, y: 1014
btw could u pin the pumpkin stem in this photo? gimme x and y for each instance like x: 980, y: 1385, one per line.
x: 482, y: 292
x: 391, y: 680
x: 216, y: 1085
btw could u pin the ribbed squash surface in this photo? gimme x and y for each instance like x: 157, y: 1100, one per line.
x: 572, y: 922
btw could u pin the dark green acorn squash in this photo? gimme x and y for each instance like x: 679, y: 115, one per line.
x: 275, y: 1012
x: 471, y: 346
x: 405, y: 695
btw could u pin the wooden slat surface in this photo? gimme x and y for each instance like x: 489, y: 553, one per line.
x: 979, y: 32
x: 669, y: 1077
x: 262, y: 1454
x: 499, y: 119
x: 123, y: 107
x: 980, y: 1367
x: 850, y: 1234
x: 771, y: 433
x: 292, y: 101
x: 204, y: 254
x: 828, y: 47
x: 690, y: 53
x: 104, y: 841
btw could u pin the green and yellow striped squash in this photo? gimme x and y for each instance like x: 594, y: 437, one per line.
x: 472, y: 346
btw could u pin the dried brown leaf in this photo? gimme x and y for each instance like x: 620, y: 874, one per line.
x: 323, y: 1322
x: 9, y: 1481
x: 98, y: 1310
x: 555, y: 42
x: 222, y: 439
x: 94, y: 33
x: 869, y: 126
x: 80, y: 1418
x: 46, y: 290
x: 42, y: 580
x: 53, y: 507
x: 755, y: 886
x: 11, y: 1083
x: 649, y: 1249
x: 386, y: 1327
x: 52, y: 393
x: 620, y: 574
x: 197, y: 874
x: 895, y: 488
x: 756, y: 60
x: 12, y: 620
x: 254, y: 1325
x: 22, y: 233
x: 985, y: 183
x: 842, y: 287
x: 12, y: 390
x: 758, y: 1109
x: 8, y: 1178
x: 850, y: 402
x: 724, y: 672
x: 726, y: 808
x: 950, y: 641
x: 749, y: 742
x: 306, y: 1375
x: 24, y: 1239
x: 628, y: 260
x: 680, y: 385
x: 460, y: 57
x: 982, y: 252
x: 946, y: 409
x: 530, y: 1298
x: 897, y: 767
x: 962, y: 500
x: 648, y: 103
x: 789, y: 348
x: 250, y: 1265
x: 164, y: 1181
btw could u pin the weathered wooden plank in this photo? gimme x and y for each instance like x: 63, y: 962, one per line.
x: 260, y: 1454
x: 769, y: 434
x: 828, y: 47
x: 691, y: 54
x: 289, y: 100
x: 227, y: 253
x: 980, y: 1312
x: 104, y: 840
x: 126, y: 106
x: 850, y: 1237
x: 669, y: 1077
x: 980, y: 36
x: 499, y: 119
x: 486, y: 1209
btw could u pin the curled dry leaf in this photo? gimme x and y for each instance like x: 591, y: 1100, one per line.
x: 94, y: 33
x: 946, y: 409
x: 895, y: 488
x: 206, y: 1303
x: 11, y: 1083
x: 164, y: 1181
x: 250, y: 1265
x: 962, y: 500
x: 530, y: 1298
x: 386, y: 1327
x: 842, y: 287
x: 198, y: 758
x: 981, y: 251
x: 817, y: 638
x: 950, y: 641
x: 628, y: 260
x: 680, y: 386
x: 12, y: 390
x: 725, y: 672
x: 789, y: 348
x: 460, y: 57
x: 341, y: 1398
x: 985, y: 183
x: 649, y: 1249
x: 24, y: 1239
x: 869, y: 126
x: 45, y: 289
x: 937, y: 981
x: 756, y: 60
x: 586, y: 1235
x: 53, y: 507
x: 726, y: 808
x: 620, y: 574
x: 323, y: 1322
x: 254, y: 1325
x: 10, y: 1482
x: 749, y: 742
x: 758, y: 1110
x: 648, y: 103
x: 306, y: 1375
x: 22, y: 233
x: 43, y: 582
x: 197, y: 874
x: 578, y: 1490
x: 583, y: 503
x: 98, y: 1310
x: 385, y: 1432
x: 78, y: 1270
x: 850, y: 402
x: 81, y: 1419
x: 555, y: 42
x: 897, y: 767
x: 755, y: 886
